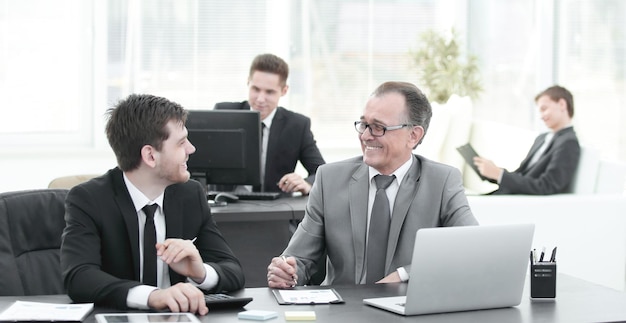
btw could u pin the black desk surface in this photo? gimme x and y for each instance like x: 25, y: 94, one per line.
x: 577, y: 301
x: 259, y: 230
x: 284, y: 208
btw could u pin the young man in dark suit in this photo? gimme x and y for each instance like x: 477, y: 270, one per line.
x: 287, y: 136
x: 553, y: 158
x: 118, y: 253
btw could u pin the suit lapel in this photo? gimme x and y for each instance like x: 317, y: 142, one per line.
x: 358, y: 188
x: 278, y: 124
x: 536, y: 145
x: 172, y: 209
x: 406, y: 194
x: 127, y: 208
x: 557, y: 135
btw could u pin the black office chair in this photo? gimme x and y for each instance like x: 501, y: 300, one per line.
x: 31, y: 224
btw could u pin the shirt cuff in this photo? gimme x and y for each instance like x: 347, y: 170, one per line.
x: 500, y: 177
x: 404, y: 276
x: 138, y: 296
x: 210, y: 280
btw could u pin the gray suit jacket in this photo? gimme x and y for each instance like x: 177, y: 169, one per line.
x: 335, y: 222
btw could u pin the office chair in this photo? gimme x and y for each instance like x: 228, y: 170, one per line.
x: 70, y: 181
x: 31, y: 224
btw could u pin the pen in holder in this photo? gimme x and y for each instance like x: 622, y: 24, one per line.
x: 543, y: 279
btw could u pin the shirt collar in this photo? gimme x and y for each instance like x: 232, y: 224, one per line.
x: 400, y: 172
x: 268, y: 120
x: 560, y: 130
x: 139, y: 199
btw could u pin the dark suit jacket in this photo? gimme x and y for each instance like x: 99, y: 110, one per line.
x: 100, y: 246
x: 552, y: 173
x: 290, y: 141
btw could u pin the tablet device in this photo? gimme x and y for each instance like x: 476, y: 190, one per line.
x: 146, y: 317
x: 468, y: 153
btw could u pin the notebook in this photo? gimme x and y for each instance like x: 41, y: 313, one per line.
x: 464, y: 268
x: 468, y: 153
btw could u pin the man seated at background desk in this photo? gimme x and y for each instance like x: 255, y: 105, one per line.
x: 107, y: 219
x: 287, y: 135
x: 553, y: 158
x: 343, y: 202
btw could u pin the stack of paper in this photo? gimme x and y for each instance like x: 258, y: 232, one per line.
x: 36, y: 311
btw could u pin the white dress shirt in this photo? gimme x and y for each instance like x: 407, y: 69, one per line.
x: 138, y: 296
x: 392, y: 192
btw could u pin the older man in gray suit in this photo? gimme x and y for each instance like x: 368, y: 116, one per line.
x: 340, y: 214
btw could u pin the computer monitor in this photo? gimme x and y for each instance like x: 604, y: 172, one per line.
x: 228, y: 146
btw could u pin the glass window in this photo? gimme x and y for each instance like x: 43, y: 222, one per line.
x: 591, y: 47
x: 46, y: 72
x: 62, y: 63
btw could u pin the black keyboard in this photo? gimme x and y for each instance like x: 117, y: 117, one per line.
x: 214, y: 301
x: 257, y: 195
x: 248, y: 195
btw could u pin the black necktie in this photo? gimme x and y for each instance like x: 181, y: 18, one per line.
x: 263, y: 126
x: 261, y: 188
x: 149, y: 250
x: 378, y: 230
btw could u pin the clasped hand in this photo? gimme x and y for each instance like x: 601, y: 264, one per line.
x: 183, y: 257
x: 281, y: 273
x: 293, y: 182
x: 487, y: 168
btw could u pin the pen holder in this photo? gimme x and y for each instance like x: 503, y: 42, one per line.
x: 543, y: 281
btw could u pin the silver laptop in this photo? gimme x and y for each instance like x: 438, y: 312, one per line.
x: 464, y: 268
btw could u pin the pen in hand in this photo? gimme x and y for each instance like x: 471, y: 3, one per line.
x: 295, y: 281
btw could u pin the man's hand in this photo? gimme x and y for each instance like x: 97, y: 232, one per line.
x: 487, y: 168
x: 281, y: 273
x: 293, y: 182
x: 183, y: 257
x: 182, y: 297
x: 394, y: 277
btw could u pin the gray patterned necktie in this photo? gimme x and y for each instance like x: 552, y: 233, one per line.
x: 378, y: 230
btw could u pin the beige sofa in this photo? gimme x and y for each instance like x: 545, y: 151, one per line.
x: 452, y: 125
x: 588, y: 229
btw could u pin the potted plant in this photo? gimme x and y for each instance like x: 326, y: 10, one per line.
x: 450, y: 80
x: 443, y: 70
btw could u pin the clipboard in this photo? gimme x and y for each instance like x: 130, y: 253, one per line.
x: 307, y: 296
x: 468, y: 153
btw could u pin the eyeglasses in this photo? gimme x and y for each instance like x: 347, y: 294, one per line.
x: 376, y: 130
